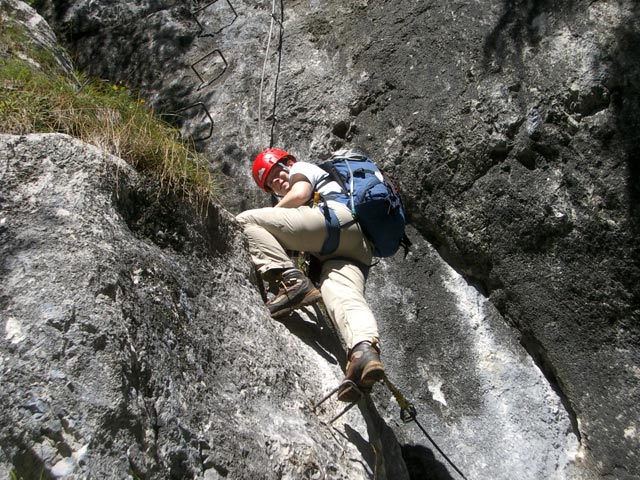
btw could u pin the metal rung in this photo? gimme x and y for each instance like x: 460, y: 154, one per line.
x: 200, y: 9
x: 333, y: 392
x: 344, y: 410
x: 206, y: 111
x: 202, y: 81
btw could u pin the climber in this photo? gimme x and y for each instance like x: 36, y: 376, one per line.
x: 295, y: 223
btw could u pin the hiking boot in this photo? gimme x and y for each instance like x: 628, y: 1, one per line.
x: 296, y: 291
x: 364, y: 368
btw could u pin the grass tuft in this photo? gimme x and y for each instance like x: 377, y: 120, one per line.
x: 36, y: 96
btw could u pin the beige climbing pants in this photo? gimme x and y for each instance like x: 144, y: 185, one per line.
x: 272, y: 231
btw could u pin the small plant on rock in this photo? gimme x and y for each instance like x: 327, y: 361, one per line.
x: 37, y: 95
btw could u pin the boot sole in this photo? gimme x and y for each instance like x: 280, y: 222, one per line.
x: 373, y: 373
x: 348, y: 394
x: 309, y: 299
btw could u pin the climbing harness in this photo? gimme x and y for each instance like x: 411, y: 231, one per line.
x: 408, y: 412
x: 274, y: 19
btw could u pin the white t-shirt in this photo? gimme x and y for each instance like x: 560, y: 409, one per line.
x: 314, y: 174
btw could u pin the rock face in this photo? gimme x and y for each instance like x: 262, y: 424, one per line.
x: 511, y: 129
x: 134, y: 345
x: 31, y: 30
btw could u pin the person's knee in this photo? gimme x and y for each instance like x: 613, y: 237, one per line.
x: 343, y: 278
x: 246, y: 218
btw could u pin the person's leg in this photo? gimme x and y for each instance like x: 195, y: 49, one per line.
x: 342, y: 286
x: 272, y: 231
x: 342, y: 290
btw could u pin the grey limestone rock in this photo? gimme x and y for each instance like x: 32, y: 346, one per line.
x: 511, y: 130
x: 133, y: 342
x: 32, y: 30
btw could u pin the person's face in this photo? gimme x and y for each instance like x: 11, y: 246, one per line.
x: 278, y: 180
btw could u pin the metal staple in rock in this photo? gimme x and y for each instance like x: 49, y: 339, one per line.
x: 204, y: 83
x: 217, y: 51
x: 200, y: 9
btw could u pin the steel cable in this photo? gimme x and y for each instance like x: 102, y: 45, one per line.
x: 264, y: 69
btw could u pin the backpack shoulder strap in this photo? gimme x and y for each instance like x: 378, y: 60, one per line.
x: 332, y: 176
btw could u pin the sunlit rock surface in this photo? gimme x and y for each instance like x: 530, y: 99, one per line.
x: 511, y: 129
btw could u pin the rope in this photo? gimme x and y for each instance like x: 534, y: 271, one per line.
x: 408, y: 414
x: 264, y: 69
x: 275, y: 88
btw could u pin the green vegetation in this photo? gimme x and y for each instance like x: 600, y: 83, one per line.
x: 14, y: 476
x: 38, y: 96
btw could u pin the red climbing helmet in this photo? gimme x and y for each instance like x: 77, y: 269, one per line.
x: 265, y: 161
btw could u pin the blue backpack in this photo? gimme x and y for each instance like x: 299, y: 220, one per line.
x: 373, y: 199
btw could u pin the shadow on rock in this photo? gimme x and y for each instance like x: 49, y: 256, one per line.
x: 625, y: 93
x: 364, y: 447
x: 389, y: 462
x: 314, y: 330
x: 382, y: 453
x: 521, y: 24
x: 422, y: 464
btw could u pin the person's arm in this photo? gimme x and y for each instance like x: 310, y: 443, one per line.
x: 299, y: 194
